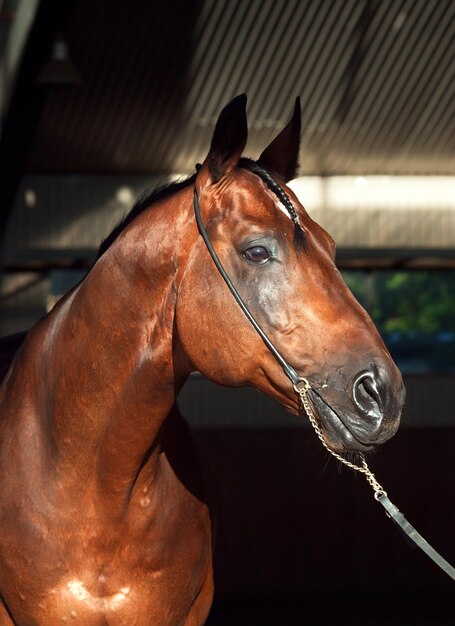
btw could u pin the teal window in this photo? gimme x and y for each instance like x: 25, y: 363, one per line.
x: 415, y: 313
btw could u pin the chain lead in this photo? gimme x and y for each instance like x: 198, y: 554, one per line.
x: 302, y: 388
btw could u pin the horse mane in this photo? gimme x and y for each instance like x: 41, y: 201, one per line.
x: 146, y: 199
x: 162, y: 191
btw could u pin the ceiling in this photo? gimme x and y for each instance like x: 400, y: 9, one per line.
x: 375, y: 78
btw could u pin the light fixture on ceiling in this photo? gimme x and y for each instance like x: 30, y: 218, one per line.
x: 59, y: 70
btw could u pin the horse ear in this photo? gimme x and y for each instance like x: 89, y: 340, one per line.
x: 282, y: 155
x: 229, y: 139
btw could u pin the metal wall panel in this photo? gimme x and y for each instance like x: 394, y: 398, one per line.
x: 375, y: 77
x: 72, y: 214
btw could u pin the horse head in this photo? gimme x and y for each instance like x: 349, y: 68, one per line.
x: 282, y: 263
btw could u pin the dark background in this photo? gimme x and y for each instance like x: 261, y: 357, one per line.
x: 301, y: 539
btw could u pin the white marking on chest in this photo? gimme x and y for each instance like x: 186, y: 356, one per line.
x: 119, y: 597
x: 79, y: 592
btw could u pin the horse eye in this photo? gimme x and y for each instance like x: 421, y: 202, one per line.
x: 257, y: 254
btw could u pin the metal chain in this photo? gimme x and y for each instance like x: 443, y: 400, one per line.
x: 302, y: 388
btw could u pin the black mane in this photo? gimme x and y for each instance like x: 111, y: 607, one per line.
x: 163, y: 191
x: 148, y: 197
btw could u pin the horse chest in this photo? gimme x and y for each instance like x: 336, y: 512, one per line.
x: 74, y: 604
x: 145, y: 571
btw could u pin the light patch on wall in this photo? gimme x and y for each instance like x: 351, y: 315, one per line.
x: 51, y: 301
x: 125, y: 195
x: 30, y: 198
x: 376, y: 192
x: 361, y: 182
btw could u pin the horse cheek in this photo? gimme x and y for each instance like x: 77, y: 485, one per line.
x: 210, y: 329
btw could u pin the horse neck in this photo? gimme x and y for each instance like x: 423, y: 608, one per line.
x: 113, y: 367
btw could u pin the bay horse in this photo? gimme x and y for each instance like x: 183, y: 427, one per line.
x: 103, y: 514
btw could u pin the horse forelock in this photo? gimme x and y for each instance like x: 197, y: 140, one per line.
x: 272, y: 184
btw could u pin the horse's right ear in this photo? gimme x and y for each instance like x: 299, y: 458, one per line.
x: 282, y: 155
x: 229, y: 139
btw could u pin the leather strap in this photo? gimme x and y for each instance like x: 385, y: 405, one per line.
x: 413, y: 536
x: 288, y: 369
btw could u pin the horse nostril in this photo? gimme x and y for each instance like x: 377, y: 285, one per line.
x: 367, y: 395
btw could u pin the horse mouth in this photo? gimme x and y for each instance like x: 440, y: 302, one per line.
x: 337, y: 435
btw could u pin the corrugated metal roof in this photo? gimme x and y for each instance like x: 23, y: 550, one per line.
x: 375, y: 79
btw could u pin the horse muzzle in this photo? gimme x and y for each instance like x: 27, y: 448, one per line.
x: 364, y: 414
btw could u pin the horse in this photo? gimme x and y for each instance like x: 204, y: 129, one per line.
x: 104, y: 514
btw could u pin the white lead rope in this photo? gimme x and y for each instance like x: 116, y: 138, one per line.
x: 302, y: 388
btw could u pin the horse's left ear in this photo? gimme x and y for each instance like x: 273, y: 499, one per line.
x: 229, y: 139
x: 282, y: 155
